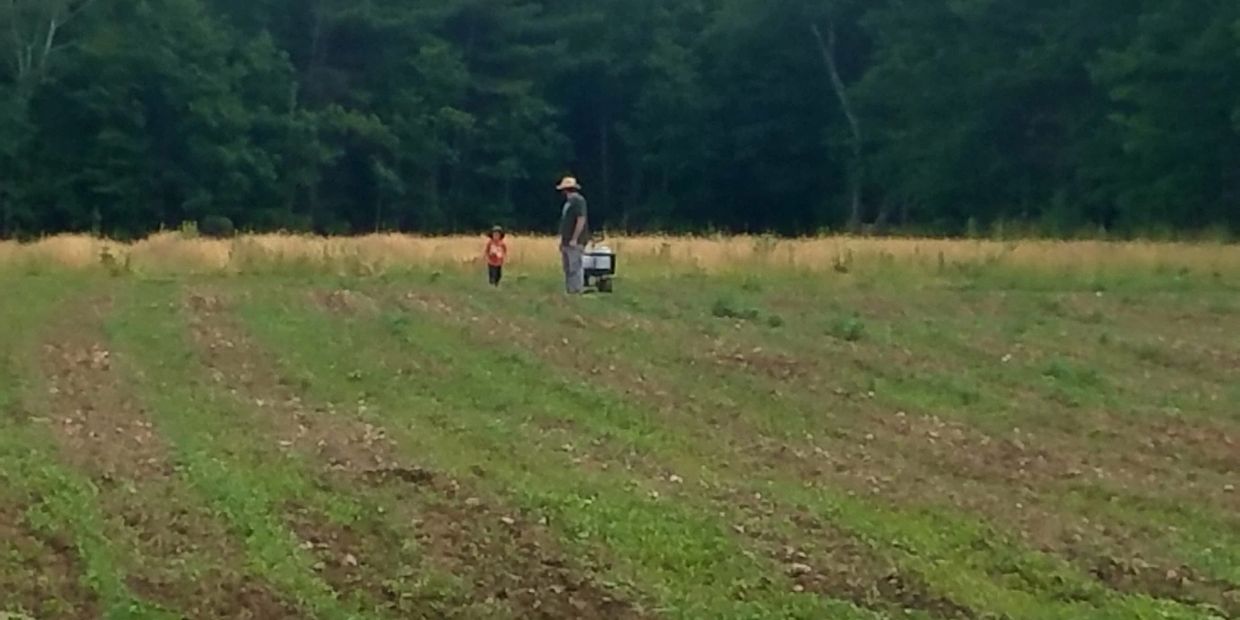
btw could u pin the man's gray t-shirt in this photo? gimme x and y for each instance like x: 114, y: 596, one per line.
x: 574, y: 207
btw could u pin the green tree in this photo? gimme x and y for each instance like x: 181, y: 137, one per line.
x: 1175, y: 84
x: 777, y: 115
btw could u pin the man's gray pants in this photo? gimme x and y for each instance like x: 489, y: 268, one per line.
x: 574, y: 271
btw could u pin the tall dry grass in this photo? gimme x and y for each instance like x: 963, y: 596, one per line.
x: 174, y: 253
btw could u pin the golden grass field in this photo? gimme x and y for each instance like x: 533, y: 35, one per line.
x: 174, y: 253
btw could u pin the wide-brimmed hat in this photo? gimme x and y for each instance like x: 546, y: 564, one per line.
x: 500, y: 230
x: 568, y: 183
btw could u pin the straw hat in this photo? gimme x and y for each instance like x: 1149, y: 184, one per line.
x: 568, y: 183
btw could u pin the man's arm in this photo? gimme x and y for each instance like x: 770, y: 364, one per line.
x: 581, y: 225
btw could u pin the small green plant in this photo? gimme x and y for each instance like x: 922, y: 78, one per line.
x: 849, y: 328
x: 189, y: 229
x: 726, y: 308
x: 775, y: 321
x: 1065, y: 372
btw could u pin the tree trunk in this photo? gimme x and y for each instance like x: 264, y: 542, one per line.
x: 826, y: 46
x: 315, y: 92
x: 52, y: 26
x: 884, y: 216
x: 32, y: 51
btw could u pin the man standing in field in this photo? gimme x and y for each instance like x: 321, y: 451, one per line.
x: 574, y: 231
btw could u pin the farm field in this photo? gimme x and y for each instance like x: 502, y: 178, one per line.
x: 746, y: 429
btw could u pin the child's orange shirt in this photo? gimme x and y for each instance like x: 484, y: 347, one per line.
x: 497, y: 251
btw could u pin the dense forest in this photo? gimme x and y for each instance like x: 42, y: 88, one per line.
x: 787, y: 116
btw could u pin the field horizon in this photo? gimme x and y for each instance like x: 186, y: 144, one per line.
x: 374, y: 254
x: 294, y: 427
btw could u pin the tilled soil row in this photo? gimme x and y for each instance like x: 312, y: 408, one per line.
x: 817, y: 557
x: 1161, y: 451
x: 103, y: 432
x: 1172, y: 457
x: 509, y: 559
x: 900, y: 459
x: 44, y: 577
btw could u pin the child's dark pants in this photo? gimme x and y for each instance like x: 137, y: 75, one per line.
x: 495, y: 273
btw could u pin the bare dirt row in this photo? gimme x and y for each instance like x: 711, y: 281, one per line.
x: 507, y: 559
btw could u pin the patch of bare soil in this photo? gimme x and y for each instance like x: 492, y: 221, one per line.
x: 825, y: 560
x: 1216, y: 446
x: 1180, y: 583
x: 340, y: 301
x: 103, y: 432
x: 774, y: 365
x: 1175, y: 458
x: 525, y: 568
x: 369, y: 556
x: 511, y: 560
x: 1007, y: 482
x: 41, y: 576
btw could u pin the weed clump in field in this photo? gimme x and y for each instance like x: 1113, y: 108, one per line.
x: 114, y: 265
x: 727, y: 308
x: 1062, y: 371
x: 849, y: 329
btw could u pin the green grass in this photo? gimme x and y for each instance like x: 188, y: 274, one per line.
x: 247, y: 483
x: 951, y: 573
x: 698, y: 447
x: 483, y: 407
x: 57, y: 502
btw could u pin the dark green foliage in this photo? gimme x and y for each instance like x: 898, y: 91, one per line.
x: 1056, y: 117
x: 216, y: 227
x: 1068, y: 373
x: 849, y: 329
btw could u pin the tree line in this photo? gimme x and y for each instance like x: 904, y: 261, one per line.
x: 787, y: 116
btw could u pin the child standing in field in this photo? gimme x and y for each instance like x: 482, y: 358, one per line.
x: 496, y: 254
